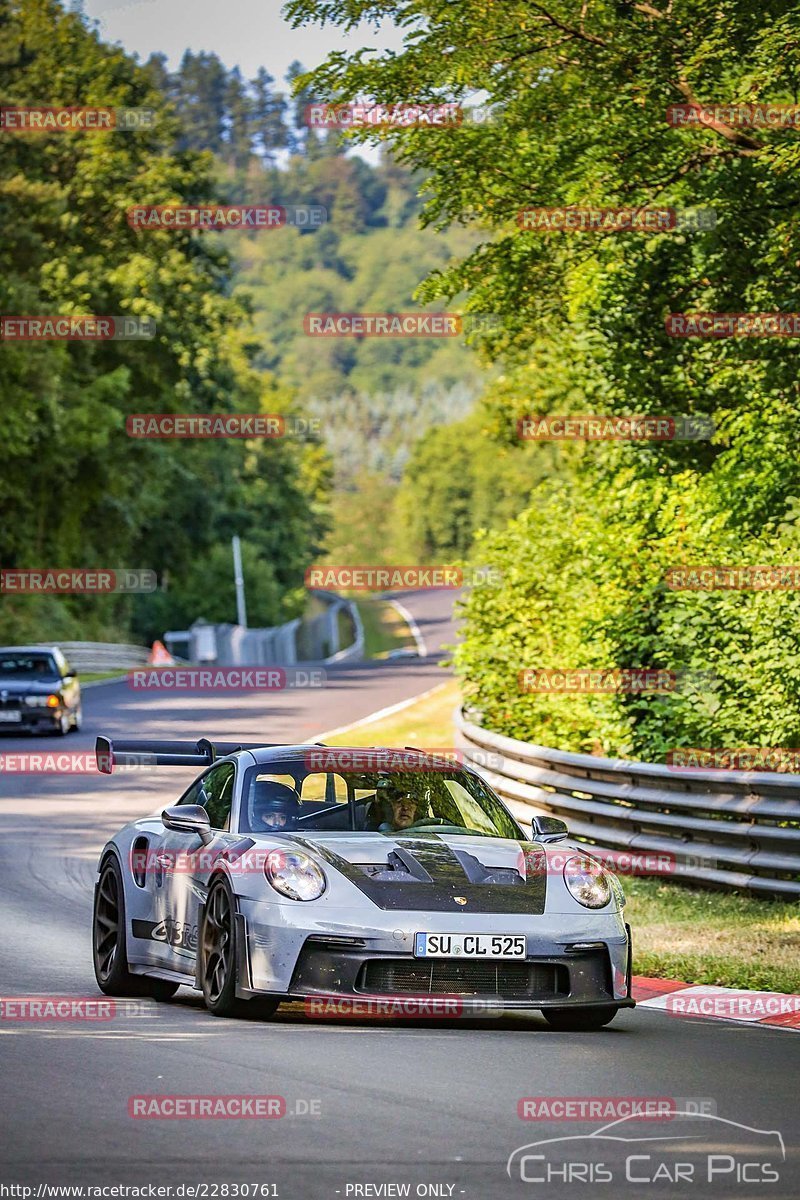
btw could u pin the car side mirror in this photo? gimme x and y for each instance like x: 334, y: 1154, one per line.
x: 549, y: 829
x: 188, y: 818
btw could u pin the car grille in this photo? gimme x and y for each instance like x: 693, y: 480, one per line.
x: 520, y: 981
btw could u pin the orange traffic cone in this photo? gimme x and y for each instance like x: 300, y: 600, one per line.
x: 160, y: 656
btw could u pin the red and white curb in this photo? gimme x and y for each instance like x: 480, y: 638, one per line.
x: 701, y: 1000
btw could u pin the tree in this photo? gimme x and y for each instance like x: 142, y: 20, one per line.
x: 580, y: 93
x: 75, y: 489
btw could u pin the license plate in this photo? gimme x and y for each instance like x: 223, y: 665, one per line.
x: 10, y: 716
x: 470, y: 945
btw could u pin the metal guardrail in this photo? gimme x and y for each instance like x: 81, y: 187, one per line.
x: 304, y: 639
x: 104, y: 656
x: 336, y: 605
x: 735, y: 830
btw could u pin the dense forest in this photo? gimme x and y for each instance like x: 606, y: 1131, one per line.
x: 418, y: 455
x: 228, y: 310
x: 582, y: 95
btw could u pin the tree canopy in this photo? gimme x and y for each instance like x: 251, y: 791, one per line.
x: 580, y: 94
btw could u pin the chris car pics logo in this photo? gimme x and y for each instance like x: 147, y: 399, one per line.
x: 691, y: 1149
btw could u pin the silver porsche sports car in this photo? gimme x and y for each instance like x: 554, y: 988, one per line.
x: 309, y: 872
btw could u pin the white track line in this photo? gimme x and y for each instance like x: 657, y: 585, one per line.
x: 422, y: 649
x: 377, y: 716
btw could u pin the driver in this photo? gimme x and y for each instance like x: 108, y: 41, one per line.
x: 274, y: 807
x: 399, y: 800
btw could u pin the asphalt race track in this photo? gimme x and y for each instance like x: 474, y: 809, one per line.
x: 430, y: 1105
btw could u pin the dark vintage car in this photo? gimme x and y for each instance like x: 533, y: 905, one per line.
x: 39, y: 691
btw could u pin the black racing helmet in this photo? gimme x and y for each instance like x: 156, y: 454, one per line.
x: 273, y: 805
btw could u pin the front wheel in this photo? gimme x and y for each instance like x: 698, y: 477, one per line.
x: 217, y: 951
x: 576, y: 1020
x: 108, y: 942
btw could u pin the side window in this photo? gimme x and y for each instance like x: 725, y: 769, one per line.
x: 215, y: 792
x: 325, y: 788
x: 190, y: 797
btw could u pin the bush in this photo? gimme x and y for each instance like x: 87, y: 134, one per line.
x: 583, y: 586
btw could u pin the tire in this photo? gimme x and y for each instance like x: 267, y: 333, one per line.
x: 217, y: 952
x: 108, y: 942
x: 77, y: 720
x: 64, y: 725
x: 576, y: 1020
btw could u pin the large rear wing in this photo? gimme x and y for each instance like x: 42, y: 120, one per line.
x: 201, y: 753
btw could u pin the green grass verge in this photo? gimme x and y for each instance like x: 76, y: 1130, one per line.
x: 91, y: 676
x: 384, y: 628
x: 713, y: 937
x: 679, y: 932
x: 426, y: 724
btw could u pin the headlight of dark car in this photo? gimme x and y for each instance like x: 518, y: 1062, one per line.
x: 51, y: 701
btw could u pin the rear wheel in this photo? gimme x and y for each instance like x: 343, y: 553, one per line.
x: 108, y: 942
x: 77, y: 719
x: 576, y: 1019
x: 218, y: 958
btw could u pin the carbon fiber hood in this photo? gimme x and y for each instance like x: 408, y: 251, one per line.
x: 429, y: 872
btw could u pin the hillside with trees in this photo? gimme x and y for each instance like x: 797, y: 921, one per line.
x: 229, y: 318
x: 582, y: 94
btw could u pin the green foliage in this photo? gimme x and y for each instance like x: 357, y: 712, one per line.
x: 459, y: 480
x: 75, y: 490
x: 583, y: 583
x: 582, y: 92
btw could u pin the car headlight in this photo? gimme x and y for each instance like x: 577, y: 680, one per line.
x: 51, y: 701
x: 587, y: 881
x: 294, y: 875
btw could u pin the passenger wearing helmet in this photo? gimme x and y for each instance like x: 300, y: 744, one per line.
x: 274, y: 807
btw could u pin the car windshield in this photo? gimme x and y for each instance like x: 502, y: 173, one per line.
x: 27, y: 666
x: 294, y: 796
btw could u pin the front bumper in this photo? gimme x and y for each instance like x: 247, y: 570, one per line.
x: 33, y: 720
x: 579, y: 978
x: 571, y: 962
